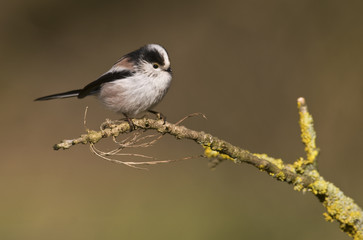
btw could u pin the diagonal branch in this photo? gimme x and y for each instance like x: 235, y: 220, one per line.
x: 302, y: 174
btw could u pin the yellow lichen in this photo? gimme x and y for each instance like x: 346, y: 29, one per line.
x: 281, y: 176
x: 210, y: 153
x: 276, y: 161
x: 313, y: 174
x: 299, y: 165
x: 298, y: 186
x: 338, y: 206
x: 319, y: 187
x: 308, y: 135
x: 327, y: 217
x: 358, y: 235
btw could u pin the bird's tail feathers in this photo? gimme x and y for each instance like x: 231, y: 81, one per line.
x: 73, y: 93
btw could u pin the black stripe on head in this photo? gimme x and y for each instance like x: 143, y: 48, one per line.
x: 153, y: 56
x: 146, y: 53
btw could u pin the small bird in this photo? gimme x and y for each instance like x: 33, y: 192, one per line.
x: 135, y: 83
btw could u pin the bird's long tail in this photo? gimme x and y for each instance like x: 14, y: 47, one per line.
x: 73, y: 93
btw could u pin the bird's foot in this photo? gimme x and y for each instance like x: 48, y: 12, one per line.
x: 131, y: 124
x: 159, y: 115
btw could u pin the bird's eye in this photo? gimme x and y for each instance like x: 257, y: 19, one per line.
x: 155, y: 65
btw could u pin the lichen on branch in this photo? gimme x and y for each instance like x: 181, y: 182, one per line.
x: 302, y: 173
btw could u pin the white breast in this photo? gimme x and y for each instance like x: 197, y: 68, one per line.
x: 135, y: 94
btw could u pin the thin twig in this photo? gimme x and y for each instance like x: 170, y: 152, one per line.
x: 302, y: 174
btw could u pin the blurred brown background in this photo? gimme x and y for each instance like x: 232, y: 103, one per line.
x: 242, y: 63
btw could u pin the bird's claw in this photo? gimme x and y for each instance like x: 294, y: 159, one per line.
x: 159, y: 115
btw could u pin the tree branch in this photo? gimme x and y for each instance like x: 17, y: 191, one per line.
x: 302, y: 174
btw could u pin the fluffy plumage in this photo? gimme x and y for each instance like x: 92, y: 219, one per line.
x: 134, y: 84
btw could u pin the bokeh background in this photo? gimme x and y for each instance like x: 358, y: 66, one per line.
x: 242, y: 63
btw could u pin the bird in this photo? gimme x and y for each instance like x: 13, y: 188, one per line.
x: 135, y: 84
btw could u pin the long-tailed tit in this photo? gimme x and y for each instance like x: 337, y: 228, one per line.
x: 134, y: 84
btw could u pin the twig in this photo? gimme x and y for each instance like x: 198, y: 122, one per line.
x: 302, y: 174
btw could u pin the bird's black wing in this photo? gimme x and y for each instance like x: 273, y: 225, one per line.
x: 107, y: 77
